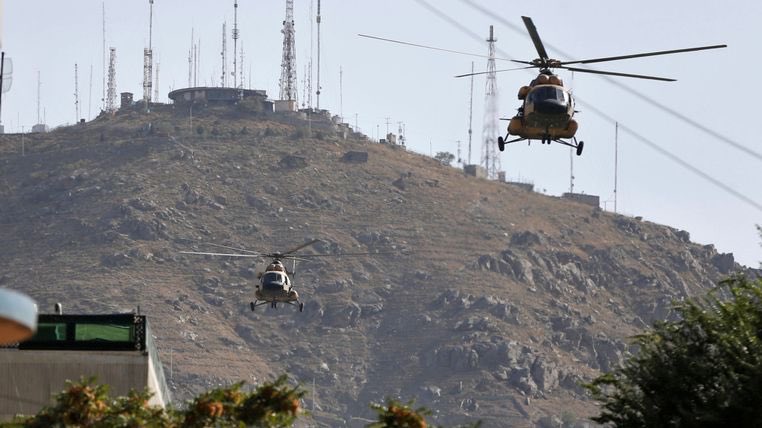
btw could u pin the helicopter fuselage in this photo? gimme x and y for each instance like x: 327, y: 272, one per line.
x: 275, y: 286
x: 546, y: 112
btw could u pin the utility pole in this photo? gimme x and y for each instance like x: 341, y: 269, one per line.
x: 103, y: 95
x: 616, y: 161
x: 470, y: 113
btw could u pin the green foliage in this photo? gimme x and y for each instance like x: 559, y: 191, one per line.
x: 84, y: 404
x: 445, y: 157
x: 703, y: 370
x: 397, y: 415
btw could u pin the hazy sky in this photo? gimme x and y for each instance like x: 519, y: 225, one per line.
x: 716, y: 89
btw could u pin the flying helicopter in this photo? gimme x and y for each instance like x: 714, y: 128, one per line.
x: 275, y: 284
x: 548, y: 108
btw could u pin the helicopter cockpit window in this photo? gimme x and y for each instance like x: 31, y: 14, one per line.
x: 548, y: 93
x: 272, y: 277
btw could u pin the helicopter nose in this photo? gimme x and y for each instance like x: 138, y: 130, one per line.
x: 550, y: 107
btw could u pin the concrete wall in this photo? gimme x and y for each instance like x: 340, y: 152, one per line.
x: 30, y: 378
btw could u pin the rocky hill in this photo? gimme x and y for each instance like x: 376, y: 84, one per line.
x: 485, y: 301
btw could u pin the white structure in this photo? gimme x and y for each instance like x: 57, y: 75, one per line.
x: 490, y: 160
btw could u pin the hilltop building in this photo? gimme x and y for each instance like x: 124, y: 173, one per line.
x: 220, y: 95
x: 117, y: 349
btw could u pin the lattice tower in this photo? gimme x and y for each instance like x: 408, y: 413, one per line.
x: 288, y: 62
x: 148, y: 61
x: 490, y: 160
x: 224, y: 55
x: 111, y: 92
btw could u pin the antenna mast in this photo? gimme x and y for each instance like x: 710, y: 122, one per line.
x: 156, y: 87
x: 148, y: 61
x: 470, y: 113
x: 616, y: 161
x: 318, y: 55
x: 103, y: 88
x: 341, y: 94
x: 76, y: 92
x: 288, y: 61
x: 90, y: 94
x: 490, y: 161
x: 235, y: 42
x: 224, y: 54
x: 190, y: 62
x: 309, y: 64
x: 111, y: 94
x: 39, y: 86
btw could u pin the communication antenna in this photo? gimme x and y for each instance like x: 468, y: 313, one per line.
x: 470, y: 113
x: 224, y: 54
x: 240, y: 86
x: 341, y: 94
x: 190, y: 61
x: 156, y: 86
x: 309, y: 64
x: 616, y: 160
x: 111, y: 93
x: 90, y: 94
x: 235, y: 42
x: 76, y: 92
x: 571, y: 169
x: 103, y: 88
x: 490, y: 160
x: 148, y: 61
x: 459, y: 160
x: 318, y: 55
x: 288, y: 61
x: 39, y: 86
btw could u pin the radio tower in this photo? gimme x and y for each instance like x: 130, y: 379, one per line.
x: 224, y: 54
x: 235, y: 42
x: 103, y: 95
x: 111, y: 93
x: 490, y: 160
x: 148, y: 61
x: 318, y: 55
x: 288, y: 62
x: 156, y: 87
x: 39, y: 87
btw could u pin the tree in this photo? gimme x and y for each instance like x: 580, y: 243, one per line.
x: 703, y: 370
x: 445, y: 157
x: 85, y: 404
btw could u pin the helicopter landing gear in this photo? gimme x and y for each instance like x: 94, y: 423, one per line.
x: 301, y: 306
x: 252, y: 305
x: 580, y: 146
x: 501, y: 143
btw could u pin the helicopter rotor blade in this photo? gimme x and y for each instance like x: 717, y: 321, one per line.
x: 243, y: 250
x: 640, y: 55
x: 613, y: 73
x: 202, y: 253
x: 496, y: 71
x: 304, y: 256
x: 427, y: 47
x: 293, y: 250
x: 535, y: 38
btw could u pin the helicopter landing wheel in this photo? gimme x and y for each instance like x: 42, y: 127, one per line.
x: 580, y: 146
x: 301, y: 306
x: 501, y: 144
x: 252, y: 305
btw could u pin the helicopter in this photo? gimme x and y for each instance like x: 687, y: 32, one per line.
x: 275, y: 284
x: 548, y: 108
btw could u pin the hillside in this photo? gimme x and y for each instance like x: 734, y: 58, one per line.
x: 493, y: 304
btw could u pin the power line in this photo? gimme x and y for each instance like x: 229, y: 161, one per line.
x: 632, y: 132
